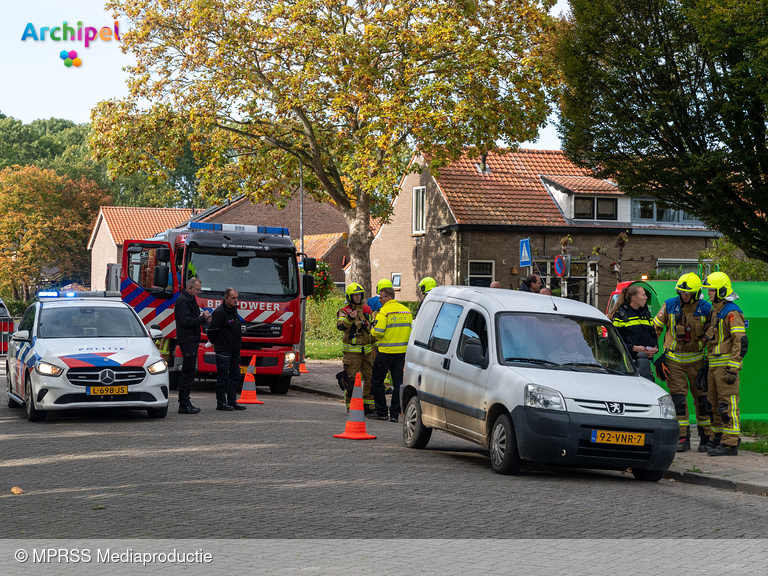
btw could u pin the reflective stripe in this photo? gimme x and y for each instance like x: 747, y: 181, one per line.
x: 735, y: 424
x: 737, y: 329
x: 685, y: 357
x: 638, y: 322
x: 706, y: 422
x: 379, y: 330
x: 392, y: 345
x: 399, y: 325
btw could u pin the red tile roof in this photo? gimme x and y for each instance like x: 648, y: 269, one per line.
x: 585, y: 184
x: 320, y: 245
x: 127, y: 222
x: 512, y: 193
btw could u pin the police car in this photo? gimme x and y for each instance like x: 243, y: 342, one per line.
x: 84, y: 350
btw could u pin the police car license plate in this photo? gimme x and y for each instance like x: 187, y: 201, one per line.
x: 107, y: 390
x: 609, y: 437
x: 243, y: 369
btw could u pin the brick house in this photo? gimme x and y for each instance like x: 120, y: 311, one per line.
x: 325, y: 229
x: 465, y: 226
x: 115, y: 224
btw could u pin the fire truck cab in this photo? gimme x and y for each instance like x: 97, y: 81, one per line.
x: 259, y: 262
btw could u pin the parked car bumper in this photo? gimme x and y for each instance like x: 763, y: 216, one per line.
x: 564, y: 438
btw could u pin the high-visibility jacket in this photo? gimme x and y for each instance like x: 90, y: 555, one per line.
x: 635, y: 327
x: 357, y: 331
x: 726, y: 336
x: 685, y: 328
x: 392, y: 328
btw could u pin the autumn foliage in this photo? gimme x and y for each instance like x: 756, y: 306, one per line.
x: 45, y: 223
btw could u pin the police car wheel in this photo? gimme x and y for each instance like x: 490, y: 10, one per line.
x: 173, y: 380
x: 280, y: 385
x: 33, y: 414
x: 647, y: 475
x: 11, y: 402
x: 415, y: 434
x: 505, y: 458
x: 158, y: 412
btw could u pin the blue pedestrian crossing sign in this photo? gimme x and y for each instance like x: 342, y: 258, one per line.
x: 525, y: 252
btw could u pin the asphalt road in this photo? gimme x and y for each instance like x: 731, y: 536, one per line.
x: 275, y: 471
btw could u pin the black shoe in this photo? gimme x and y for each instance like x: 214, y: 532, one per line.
x: 393, y: 418
x: 684, y: 444
x: 188, y: 409
x: 377, y: 416
x: 225, y: 407
x: 237, y: 406
x: 705, y: 446
x: 723, y: 450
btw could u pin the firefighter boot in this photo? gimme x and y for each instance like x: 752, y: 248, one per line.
x: 703, y: 439
x: 684, y: 443
x: 712, y: 444
x: 723, y: 450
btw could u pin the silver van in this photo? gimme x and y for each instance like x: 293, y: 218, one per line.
x: 533, y: 378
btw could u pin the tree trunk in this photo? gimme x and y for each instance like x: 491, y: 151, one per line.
x: 360, y: 238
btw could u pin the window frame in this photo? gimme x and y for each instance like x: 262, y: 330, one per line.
x: 430, y: 339
x: 419, y: 219
x: 397, y: 280
x: 594, y: 207
x: 614, y: 201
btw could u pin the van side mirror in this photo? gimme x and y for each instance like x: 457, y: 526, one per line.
x: 160, y: 276
x: 473, y: 353
x: 307, y: 285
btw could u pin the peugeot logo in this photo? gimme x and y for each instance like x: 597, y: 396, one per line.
x: 107, y: 377
x: 612, y: 407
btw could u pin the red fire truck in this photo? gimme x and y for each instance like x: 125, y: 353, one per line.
x: 259, y: 262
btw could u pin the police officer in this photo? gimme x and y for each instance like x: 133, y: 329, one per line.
x: 392, y: 330
x: 633, y: 321
x: 726, y: 341
x: 426, y: 284
x: 189, y: 320
x: 684, y: 317
x: 354, y: 320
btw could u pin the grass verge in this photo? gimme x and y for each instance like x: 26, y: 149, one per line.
x: 323, y: 349
x: 757, y: 429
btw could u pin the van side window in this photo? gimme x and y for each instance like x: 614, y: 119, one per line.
x: 474, y: 327
x: 445, y: 326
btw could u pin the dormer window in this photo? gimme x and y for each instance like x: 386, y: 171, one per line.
x: 591, y: 208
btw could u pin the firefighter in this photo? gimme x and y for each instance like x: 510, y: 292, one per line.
x: 354, y: 320
x: 426, y: 284
x: 684, y: 317
x: 726, y: 341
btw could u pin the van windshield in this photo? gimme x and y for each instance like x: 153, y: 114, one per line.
x: 562, y: 341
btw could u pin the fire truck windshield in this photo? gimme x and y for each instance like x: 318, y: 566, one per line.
x: 268, y: 274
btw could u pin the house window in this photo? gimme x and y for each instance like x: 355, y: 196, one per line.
x: 607, y: 209
x: 653, y: 211
x: 584, y: 208
x: 396, y: 280
x: 643, y: 209
x: 418, y: 210
x: 480, y: 272
x: 676, y: 267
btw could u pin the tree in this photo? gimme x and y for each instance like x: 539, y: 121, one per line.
x: 45, y: 223
x: 341, y: 86
x: 726, y: 256
x: 668, y: 98
x: 617, y: 259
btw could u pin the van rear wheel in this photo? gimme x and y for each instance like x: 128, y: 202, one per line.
x: 647, y: 475
x: 415, y: 434
x: 505, y: 459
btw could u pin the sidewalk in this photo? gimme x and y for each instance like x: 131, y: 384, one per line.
x: 747, y: 472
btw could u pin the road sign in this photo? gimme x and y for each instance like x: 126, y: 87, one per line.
x: 559, y: 266
x: 525, y: 252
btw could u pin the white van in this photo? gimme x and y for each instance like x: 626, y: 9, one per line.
x: 533, y: 378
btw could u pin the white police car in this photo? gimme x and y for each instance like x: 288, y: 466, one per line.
x: 84, y: 350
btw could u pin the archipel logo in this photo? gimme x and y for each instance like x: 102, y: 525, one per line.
x: 67, y: 33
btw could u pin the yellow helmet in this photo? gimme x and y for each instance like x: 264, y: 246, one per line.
x: 689, y: 283
x: 719, y: 281
x: 383, y: 283
x: 354, y: 288
x: 427, y: 284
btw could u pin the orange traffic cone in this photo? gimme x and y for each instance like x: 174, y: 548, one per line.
x: 248, y: 395
x: 355, y: 429
x: 303, y: 368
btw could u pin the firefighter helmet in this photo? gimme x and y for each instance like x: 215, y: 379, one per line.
x: 427, y: 284
x: 383, y: 283
x: 689, y: 283
x: 719, y: 281
x: 352, y: 289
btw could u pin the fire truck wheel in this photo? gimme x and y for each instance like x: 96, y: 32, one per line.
x: 173, y: 380
x: 280, y: 385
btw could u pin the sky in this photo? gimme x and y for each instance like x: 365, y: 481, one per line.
x: 36, y: 83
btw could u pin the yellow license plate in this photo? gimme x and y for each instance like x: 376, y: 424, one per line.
x: 107, y: 390
x: 627, y: 438
x: 243, y: 369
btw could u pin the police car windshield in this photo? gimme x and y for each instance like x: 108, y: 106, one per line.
x: 89, y: 322
x: 569, y: 342
x: 268, y: 274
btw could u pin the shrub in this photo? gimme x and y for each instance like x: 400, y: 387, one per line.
x: 321, y: 318
x: 324, y: 285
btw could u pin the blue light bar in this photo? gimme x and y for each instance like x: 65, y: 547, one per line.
x: 70, y: 294
x: 48, y: 294
x: 279, y: 231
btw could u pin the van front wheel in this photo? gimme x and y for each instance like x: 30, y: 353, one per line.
x: 505, y: 458
x: 415, y: 434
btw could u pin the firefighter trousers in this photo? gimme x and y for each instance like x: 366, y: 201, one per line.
x: 355, y: 362
x: 680, y: 380
x: 724, y: 399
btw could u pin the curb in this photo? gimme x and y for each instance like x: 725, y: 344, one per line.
x: 318, y: 392
x: 715, y: 482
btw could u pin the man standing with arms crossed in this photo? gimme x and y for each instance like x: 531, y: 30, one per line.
x: 391, y: 330
x: 188, y: 322
x: 227, y: 337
